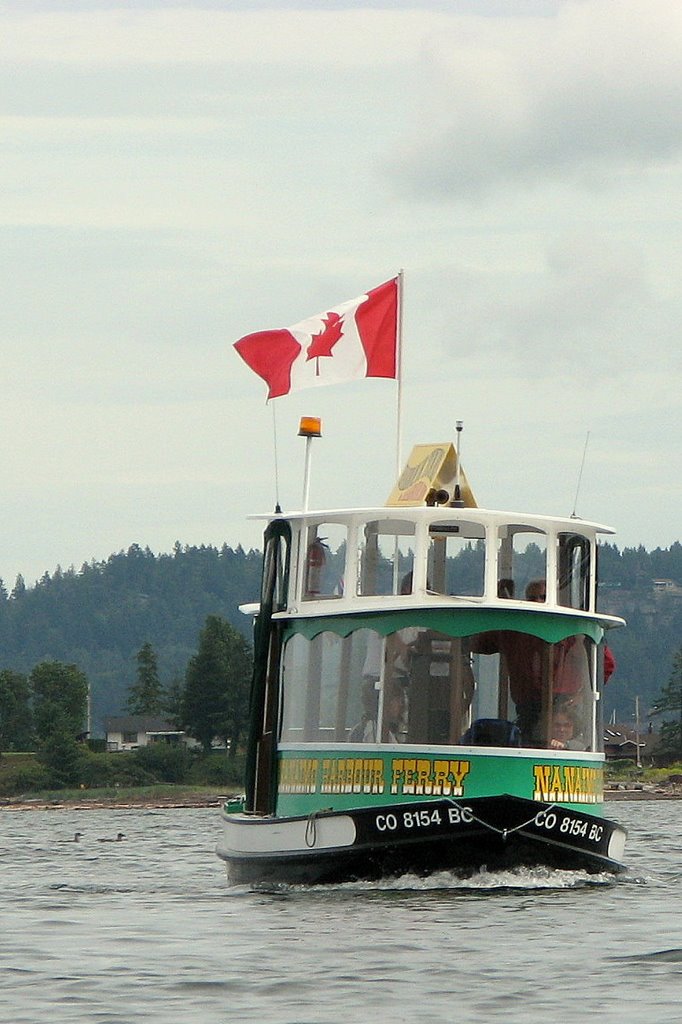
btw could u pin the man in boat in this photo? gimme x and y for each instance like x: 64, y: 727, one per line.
x: 395, y: 707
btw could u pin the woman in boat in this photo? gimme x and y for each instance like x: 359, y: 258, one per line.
x: 564, y: 734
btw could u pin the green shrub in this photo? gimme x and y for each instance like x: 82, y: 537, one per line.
x: 217, y: 770
x: 61, y: 755
x: 164, y: 762
x: 25, y: 777
x: 121, y: 769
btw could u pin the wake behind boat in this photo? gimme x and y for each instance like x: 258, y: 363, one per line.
x: 426, y: 691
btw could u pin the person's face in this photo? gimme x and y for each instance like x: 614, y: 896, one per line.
x: 562, y: 727
x: 538, y: 592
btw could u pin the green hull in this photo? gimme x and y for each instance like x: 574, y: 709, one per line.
x: 310, y: 781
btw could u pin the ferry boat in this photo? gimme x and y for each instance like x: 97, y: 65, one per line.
x: 426, y: 691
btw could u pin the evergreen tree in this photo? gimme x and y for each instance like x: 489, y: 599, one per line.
x: 19, y: 589
x: 173, y: 703
x: 670, y: 700
x: 61, y: 752
x: 217, y: 685
x: 145, y: 696
x: 16, y: 719
x: 60, y: 699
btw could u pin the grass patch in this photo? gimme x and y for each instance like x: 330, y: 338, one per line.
x: 129, y: 794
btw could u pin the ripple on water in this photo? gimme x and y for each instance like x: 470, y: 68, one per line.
x: 150, y: 931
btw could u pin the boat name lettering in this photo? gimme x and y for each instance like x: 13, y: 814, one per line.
x: 409, y: 776
x: 578, y: 784
x: 421, y: 777
x: 298, y: 775
x: 570, y: 826
x: 352, y: 775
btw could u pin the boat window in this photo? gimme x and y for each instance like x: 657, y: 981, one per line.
x: 521, y: 563
x: 386, y: 558
x: 325, y: 559
x: 573, y: 568
x: 330, y: 685
x: 419, y: 686
x: 545, y: 691
x: 456, y: 562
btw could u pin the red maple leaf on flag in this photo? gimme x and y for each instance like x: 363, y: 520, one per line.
x: 323, y: 342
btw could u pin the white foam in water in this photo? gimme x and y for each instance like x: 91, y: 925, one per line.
x: 484, y: 880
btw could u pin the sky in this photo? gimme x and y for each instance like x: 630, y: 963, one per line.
x: 175, y: 176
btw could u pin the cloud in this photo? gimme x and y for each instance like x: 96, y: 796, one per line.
x: 187, y: 35
x: 592, y: 92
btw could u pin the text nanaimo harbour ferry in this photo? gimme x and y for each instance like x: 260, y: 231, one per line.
x: 426, y: 691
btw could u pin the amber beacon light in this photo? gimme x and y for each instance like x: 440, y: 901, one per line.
x: 310, y: 426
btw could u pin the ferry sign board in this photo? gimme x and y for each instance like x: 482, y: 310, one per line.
x: 357, y: 780
x: 430, y: 468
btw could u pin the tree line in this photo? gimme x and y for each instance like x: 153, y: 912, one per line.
x: 99, y: 617
x: 45, y: 711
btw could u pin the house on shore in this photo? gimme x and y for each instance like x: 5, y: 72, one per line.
x: 622, y: 741
x: 130, y: 732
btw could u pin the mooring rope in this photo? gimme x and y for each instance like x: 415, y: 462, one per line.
x: 504, y: 832
x: 311, y: 830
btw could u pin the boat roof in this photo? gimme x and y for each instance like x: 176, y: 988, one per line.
x: 439, y: 512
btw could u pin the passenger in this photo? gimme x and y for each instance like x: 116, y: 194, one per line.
x: 564, y: 732
x: 403, y: 644
x: 505, y: 589
x: 395, y: 710
x: 366, y: 730
x: 536, y: 590
x: 526, y: 658
x: 395, y: 707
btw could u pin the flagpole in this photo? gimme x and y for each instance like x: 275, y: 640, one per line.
x: 399, y: 377
x: 278, y: 507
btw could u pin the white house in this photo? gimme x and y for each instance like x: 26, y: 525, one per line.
x: 128, y: 732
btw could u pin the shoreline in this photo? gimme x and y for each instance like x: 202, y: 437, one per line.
x: 216, y: 801
x: 111, y: 803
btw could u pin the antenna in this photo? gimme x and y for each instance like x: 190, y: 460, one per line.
x: 580, y: 476
x: 457, y: 501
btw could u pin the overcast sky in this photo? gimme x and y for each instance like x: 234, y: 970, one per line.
x: 175, y: 176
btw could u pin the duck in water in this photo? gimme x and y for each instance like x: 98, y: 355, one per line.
x: 119, y: 837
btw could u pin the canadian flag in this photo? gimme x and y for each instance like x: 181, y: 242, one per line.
x: 353, y: 340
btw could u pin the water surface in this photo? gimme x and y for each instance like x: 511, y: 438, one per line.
x: 148, y: 930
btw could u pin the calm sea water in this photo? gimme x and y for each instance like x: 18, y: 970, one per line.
x: 148, y: 930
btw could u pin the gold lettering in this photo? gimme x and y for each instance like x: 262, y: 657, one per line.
x: 423, y: 778
x: 410, y: 768
x: 541, y: 772
x: 298, y: 775
x: 460, y: 769
x: 556, y: 786
x: 441, y: 770
x: 397, y: 775
x: 352, y: 775
x: 575, y: 784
